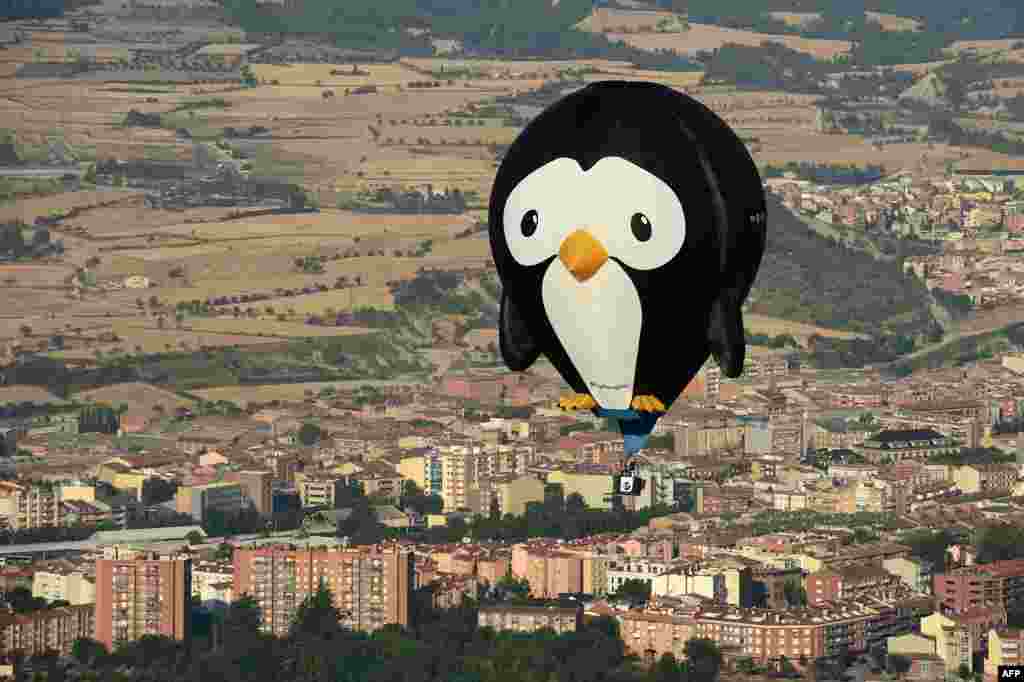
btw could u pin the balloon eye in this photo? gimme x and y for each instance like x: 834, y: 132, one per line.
x: 530, y: 222
x: 641, y: 227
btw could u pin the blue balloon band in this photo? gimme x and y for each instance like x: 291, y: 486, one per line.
x: 636, y: 427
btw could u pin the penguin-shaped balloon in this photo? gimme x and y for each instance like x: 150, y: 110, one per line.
x: 627, y: 223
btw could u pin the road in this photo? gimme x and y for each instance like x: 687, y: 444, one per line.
x: 40, y: 172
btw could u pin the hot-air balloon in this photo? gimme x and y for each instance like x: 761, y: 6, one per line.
x: 627, y: 223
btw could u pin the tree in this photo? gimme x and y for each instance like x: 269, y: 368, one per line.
x: 515, y: 590
x: 667, y: 669
x: 575, y: 504
x: 634, y: 591
x: 241, y: 626
x: 317, y: 617
x: 309, y: 434
x: 794, y: 592
x: 194, y: 537
x: 225, y: 551
x: 899, y: 665
x: 704, y: 658
x: 88, y: 651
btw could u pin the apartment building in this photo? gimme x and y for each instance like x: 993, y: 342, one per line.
x: 954, y: 643
x: 892, y: 445
x: 509, y: 493
x: 998, y: 584
x: 768, y: 636
x: 658, y: 630
x: 530, y: 618
x: 198, y: 500
x: 372, y: 586
x: 725, y: 581
x: 849, y: 582
x: 146, y: 594
x: 985, y: 478
x: 256, y: 485
x: 74, y: 587
x: 462, y: 466
x: 594, y: 486
x: 30, y: 505
x: 318, y: 489
x: 46, y: 630
x: 1005, y: 647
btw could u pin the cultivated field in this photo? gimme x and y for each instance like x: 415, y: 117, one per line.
x: 708, y: 37
x: 266, y: 326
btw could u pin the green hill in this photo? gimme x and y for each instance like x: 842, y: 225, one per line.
x: 805, y: 277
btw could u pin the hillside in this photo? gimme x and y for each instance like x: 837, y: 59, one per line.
x: 804, y: 277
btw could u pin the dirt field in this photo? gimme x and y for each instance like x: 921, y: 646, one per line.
x: 27, y: 210
x: 796, y: 18
x: 140, y: 398
x: 983, y: 46
x: 309, y: 74
x: 17, y: 394
x: 604, y: 19
x: 759, y: 324
x: 893, y: 22
x: 708, y: 37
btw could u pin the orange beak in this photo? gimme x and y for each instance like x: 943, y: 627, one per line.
x: 582, y: 255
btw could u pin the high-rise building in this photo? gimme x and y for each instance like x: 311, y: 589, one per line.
x: 256, y: 485
x: 197, y: 500
x: 372, y: 586
x: 30, y: 506
x: 47, y: 630
x: 142, y: 594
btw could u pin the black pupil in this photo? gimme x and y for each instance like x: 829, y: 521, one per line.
x: 641, y: 227
x: 530, y: 222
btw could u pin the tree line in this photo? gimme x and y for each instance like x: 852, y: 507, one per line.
x: 437, y: 646
x: 827, y: 173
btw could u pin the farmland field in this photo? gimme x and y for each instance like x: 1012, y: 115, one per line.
x: 708, y: 37
x: 266, y: 327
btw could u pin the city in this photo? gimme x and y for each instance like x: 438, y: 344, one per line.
x: 257, y: 418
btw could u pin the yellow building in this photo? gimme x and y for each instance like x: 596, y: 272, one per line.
x: 595, y: 489
x: 81, y: 492
x: 317, y: 489
x: 130, y: 481
x: 954, y: 644
x: 73, y: 587
x: 1005, y: 647
x: 435, y: 520
x: 513, y: 495
x: 977, y: 478
x: 414, y: 469
x: 978, y: 217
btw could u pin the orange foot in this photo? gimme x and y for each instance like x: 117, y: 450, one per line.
x: 577, y: 401
x: 647, y: 403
